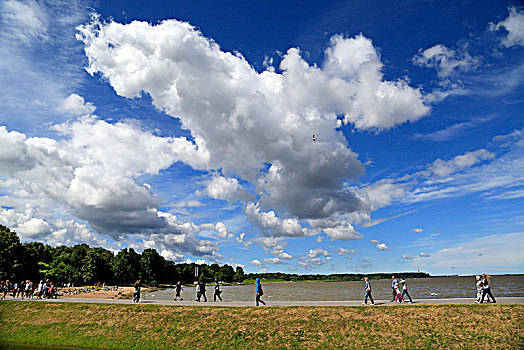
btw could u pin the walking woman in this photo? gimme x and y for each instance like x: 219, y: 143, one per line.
x: 480, y: 290
x: 4, y: 289
x: 486, y: 290
x: 368, y: 292
x: 259, y: 292
x: 405, y: 290
x: 217, y: 292
x: 136, y: 292
x: 198, y: 292
x: 398, y: 297
x: 178, y: 290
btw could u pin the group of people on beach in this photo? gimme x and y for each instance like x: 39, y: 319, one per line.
x: 27, y: 289
x: 47, y: 289
x: 483, y: 289
x: 396, y: 286
x: 201, y: 291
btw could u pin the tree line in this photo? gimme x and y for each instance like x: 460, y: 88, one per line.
x: 332, y: 277
x: 84, y: 265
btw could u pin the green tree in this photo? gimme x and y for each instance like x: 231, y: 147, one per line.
x: 11, y: 252
x: 126, y: 266
x: 46, y: 270
x: 33, y: 253
x: 239, y: 274
x: 226, y: 273
x: 215, y: 270
x: 151, y: 267
x: 96, y: 267
x: 170, y: 273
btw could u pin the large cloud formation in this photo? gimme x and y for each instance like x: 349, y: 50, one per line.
x: 258, y: 126
x: 92, y: 173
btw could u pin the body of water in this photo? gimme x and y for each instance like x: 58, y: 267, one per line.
x: 421, y: 288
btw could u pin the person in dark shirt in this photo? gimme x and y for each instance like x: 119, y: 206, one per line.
x: 136, y: 292
x: 178, y: 290
x: 217, y: 292
x: 203, y: 291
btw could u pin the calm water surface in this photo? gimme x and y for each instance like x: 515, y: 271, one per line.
x: 422, y: 288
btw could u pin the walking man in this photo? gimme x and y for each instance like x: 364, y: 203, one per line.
x: 217, y: 292
x: 393, y: 283
x: 368, y: 292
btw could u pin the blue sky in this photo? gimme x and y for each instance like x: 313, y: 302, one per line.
x: 188, y: 127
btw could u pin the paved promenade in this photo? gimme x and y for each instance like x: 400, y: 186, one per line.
x: 449, y: 301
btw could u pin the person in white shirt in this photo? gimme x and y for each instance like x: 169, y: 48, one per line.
x: 405, y: 290
x: 486, y: 289
x: 480, y: 289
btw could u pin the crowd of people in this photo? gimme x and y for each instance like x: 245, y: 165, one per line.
x: 28, y: 290
x: 47, y: 289
x: 483, y: 290
x: 396, y: 288
x: 200, y: 291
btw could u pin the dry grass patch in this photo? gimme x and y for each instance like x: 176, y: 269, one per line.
x: 168, y: 327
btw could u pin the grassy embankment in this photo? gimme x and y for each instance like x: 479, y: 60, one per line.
x: 167, y: 327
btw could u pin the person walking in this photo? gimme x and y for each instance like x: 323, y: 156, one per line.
x: 40, y: 289
x: 259, y: 292
x: 368, y: 292
x: 398, y: 297
x: 486, y: 290
x: 198, y: 292
x: 21, y: 290
x: 136, y: 292
x: 217, y: 292
x: 178, y: 290
x: 4, y: 289
x: 393, y: 283
x: 28, y: 289
x: 480, y: 290
x: 405, y: 290
x: 203, y: 291
x: 14, y: 290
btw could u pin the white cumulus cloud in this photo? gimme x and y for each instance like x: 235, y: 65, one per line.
x: 446, y: 61
x: 257, y: 126
x: 514, y: 26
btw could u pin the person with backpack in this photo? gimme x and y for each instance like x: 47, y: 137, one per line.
x: 259, y: 292
x: 178, y: 290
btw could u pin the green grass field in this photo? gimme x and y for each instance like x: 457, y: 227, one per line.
x: 112, y: 326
